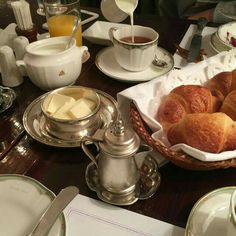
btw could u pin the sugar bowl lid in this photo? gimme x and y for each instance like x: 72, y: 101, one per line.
x: 120, y: 141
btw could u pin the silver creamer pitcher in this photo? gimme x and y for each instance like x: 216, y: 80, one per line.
x: 120, y: 157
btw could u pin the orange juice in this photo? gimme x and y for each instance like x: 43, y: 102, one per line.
x: 61, y: 25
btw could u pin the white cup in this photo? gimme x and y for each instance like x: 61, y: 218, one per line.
x: 111, y: 11
x: 231, y: 227
x: 136, y: 56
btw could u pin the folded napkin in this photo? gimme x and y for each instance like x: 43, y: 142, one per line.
x: 86, y: 216
x: 147, y: 97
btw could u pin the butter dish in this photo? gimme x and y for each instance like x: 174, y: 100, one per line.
x: 98, y: 32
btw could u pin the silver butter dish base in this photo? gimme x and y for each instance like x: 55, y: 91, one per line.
x: 34, y: 121
x: 147, y: 186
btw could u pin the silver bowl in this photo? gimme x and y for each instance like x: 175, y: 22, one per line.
x: 73, y: 129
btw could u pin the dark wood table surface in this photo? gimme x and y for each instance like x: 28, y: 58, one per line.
x: 57, y: 168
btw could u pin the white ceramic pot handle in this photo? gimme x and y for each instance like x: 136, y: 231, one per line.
x: 85, y: 54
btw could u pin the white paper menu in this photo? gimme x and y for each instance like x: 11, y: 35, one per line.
x: 90, y: 217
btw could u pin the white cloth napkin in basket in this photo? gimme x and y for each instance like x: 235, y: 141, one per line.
x: 147, y: 97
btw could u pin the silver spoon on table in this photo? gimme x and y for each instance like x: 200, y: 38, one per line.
x: 54, y: 210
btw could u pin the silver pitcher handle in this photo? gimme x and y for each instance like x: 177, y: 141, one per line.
x: 88, y: 140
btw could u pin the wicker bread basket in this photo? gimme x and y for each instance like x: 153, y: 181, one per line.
x: 178, y: 158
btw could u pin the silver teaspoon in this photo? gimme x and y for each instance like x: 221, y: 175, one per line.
x: 159, y: 63
x: 75, y: 27
x: 54, y: 210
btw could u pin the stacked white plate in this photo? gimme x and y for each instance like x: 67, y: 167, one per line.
x: 224, y: 39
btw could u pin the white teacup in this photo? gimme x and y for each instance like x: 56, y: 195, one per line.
x: 50, y: 65
x: 137, y: 55
x: 231, y: 227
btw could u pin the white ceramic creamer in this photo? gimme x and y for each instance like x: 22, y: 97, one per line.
x: 49, y: 65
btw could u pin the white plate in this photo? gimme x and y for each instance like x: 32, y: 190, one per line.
x: 98, y: 32
x: 209, y: 215
x: 106, y: 62
x: 22, y: 202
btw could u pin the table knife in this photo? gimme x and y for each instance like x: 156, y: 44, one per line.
x: 47, y: 220
x: 196, y: 42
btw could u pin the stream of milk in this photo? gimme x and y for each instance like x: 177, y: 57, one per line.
x: 128, y: 6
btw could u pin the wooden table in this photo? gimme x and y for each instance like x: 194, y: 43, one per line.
x: 57, y: 168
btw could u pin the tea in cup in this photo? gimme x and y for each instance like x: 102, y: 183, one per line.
x: 61, y: 18
x: 231, y: 226
x: 134, y: 52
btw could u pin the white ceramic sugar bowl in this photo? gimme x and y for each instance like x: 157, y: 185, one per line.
x: 50, y: 65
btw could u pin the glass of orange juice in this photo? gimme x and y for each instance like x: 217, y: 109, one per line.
x: 61, y: 16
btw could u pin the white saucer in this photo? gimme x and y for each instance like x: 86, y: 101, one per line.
x: 209, y: 215
x: 106, y: 62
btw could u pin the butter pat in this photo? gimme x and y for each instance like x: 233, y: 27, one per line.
x: 57, y: 101
x: 61, y: 112
x: 91, y: 104
x: 63, y: 116
x: 81, y: 108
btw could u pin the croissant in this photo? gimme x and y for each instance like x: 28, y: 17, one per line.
x: 229, y: 105
x: 224, y: 82
x: 186, y: 99
x: 214, y: 132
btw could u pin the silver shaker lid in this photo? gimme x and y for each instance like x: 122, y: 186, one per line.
x: 120, y: 141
